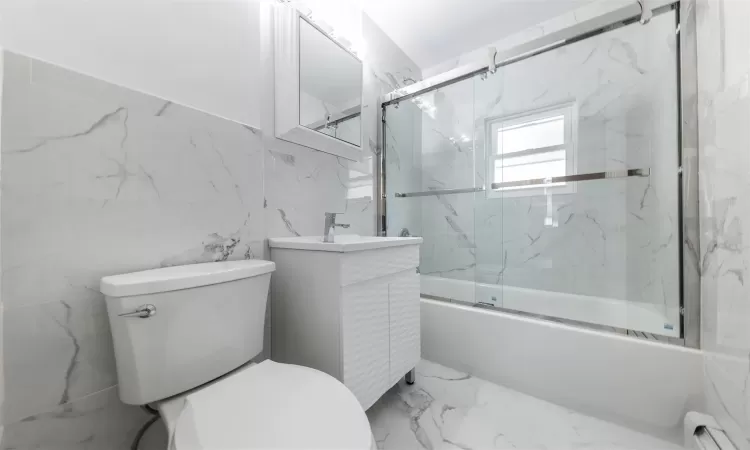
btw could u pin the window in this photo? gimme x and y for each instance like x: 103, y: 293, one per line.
x: 533, y: 145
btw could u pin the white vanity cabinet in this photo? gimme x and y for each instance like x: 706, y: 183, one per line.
x: 349, y: 308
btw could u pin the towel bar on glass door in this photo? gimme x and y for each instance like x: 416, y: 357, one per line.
x: 439, y: 192
x: 535, y: 181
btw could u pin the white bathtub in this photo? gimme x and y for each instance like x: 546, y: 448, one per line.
x: 642, y: 384
x: 610, y: 312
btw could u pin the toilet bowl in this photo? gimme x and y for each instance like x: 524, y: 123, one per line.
x: 268, y: 406
x: 184, y: 337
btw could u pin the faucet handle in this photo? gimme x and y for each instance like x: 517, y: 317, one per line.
x: 330, y: 226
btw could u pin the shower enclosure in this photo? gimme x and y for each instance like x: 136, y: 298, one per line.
x: 554, y: 184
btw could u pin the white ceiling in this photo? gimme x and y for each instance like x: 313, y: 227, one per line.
x: 433, y: 31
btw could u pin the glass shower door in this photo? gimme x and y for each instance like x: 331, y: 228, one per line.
x: 581, y: 145
x: 431, y: 179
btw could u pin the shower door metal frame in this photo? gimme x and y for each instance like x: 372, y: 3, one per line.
x: 687, y: 163
x: 687, y: 83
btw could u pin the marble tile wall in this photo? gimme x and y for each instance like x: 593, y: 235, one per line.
x: 613, y: 238
x: 98, y: 179
x: 724, y: 152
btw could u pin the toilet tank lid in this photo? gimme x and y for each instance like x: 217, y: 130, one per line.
x: 182, y: 277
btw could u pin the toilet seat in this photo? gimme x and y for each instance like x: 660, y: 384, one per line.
x: 269, y: 406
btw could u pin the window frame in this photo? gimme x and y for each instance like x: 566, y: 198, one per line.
x: 569, y: 111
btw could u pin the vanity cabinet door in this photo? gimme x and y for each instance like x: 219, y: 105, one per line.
x: 405, y: 348
x: 365, y: 339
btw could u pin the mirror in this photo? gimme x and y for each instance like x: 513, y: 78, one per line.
x: 317, y: 87
x: 330, y: 86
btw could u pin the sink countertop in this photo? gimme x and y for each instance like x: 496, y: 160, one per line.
x: 342, y: 243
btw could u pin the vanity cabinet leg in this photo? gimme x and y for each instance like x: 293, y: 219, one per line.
x: 410, y: 376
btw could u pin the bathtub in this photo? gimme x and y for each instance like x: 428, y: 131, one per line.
x: 625, y: 315
x: 642, y: 384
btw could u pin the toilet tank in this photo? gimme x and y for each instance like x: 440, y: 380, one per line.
x: 208, y: 320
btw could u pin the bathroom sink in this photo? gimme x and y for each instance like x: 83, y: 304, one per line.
x: 342, y: 243
x: 349, y: 308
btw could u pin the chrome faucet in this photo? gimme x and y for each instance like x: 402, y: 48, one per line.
x: 330, y: 227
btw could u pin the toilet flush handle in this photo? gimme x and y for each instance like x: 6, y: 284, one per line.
x: 143, y: 311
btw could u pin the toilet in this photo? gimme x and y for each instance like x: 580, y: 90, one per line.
x: 184, y: 337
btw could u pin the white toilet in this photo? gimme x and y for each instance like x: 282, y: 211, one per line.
x: 183, y: 338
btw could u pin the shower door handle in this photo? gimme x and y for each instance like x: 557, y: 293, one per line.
x: 575, y: 178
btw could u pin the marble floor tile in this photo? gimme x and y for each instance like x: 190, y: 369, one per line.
x: 450, y: 410
x: 447, y: 409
